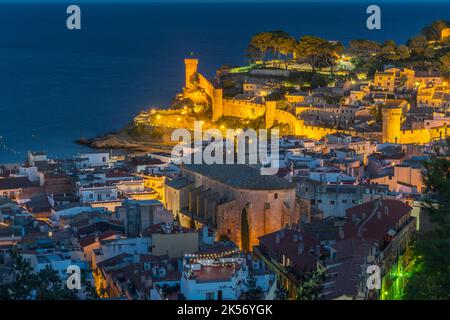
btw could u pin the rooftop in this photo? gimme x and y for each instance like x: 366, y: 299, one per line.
x: 239, y: 176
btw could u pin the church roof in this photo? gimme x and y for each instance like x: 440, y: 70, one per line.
x: 240, y: 176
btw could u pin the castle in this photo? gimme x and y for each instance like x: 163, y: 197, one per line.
x: 228, y: 107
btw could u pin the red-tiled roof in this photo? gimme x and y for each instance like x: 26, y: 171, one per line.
x: 375, y: 217
x: 210, y: 273
x: 15, y: 183
x: 88, y: 240
x: 289, y: 247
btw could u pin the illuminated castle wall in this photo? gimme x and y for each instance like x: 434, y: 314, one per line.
x: 392, y: 116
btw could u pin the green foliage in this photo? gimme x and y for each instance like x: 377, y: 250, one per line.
x: 318, y: 80
x: 279, y: 43
x: 281, y: 293
x: 141, y: 130
x: 418, y: 44
x: 364, y: 47
x: 310, y: 287
x: 45, y: 285
x: 313, y: 50
x: 237, y: 123
x: 432, y: 249
x: 403, y: 52
x: 445, y: 64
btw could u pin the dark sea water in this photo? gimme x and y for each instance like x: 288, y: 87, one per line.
x: 58, y: 85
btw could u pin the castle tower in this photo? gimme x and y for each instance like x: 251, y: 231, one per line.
x: 191, y: 71
x: 271, y: 106
x: 445, y: 33
x: 392, y: 117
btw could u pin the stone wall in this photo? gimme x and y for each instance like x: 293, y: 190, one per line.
x: 242, y: 109
x: 421, y: 136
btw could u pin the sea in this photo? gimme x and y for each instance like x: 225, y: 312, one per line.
x: 59, y: 85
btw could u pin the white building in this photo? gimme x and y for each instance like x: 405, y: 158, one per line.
x: 97, y: 194
x: 119, y: 245
x: 227, y: 278
x: 99, y: 159
x: 34, y: 157
x: 30, y: 172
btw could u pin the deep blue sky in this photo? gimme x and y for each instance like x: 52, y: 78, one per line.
x: 223, y: 1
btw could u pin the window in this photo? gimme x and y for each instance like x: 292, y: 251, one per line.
x: 209, y: 295
x: 103, y: 159
x: 344, y: 201
x: 275, y: 196
x: 332, y: 202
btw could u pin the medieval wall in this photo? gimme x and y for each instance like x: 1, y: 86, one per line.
x: 422, y: 136
x: 206, y: 85
x: 250, y: 110
x: 242, y: 109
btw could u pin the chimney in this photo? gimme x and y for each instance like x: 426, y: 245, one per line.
x: 317, y: 250
x: 301, y: 247
x: 341, y: 233
x: 378, y: 214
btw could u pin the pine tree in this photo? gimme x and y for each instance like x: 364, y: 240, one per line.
x: 192, y: 223
x: 245, y: 232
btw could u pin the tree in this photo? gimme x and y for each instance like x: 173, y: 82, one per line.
x: 245, y: 232
x: 45, y: 285
x: 418, y: 44
x: 433, y: 31
x: 24, y: 282
x: 311, y: 49
x: 403, y: 52
x: 389, y: 50
x: 281, y: 293
x: 331, y: 54
x: 432, y: 250
x: 287, y: 46
x: 260, y: 43
x: 277, y: 42
x: 310, y: 286
x: 445, y: 64
x: 318, y: 80
x: 364, y: 47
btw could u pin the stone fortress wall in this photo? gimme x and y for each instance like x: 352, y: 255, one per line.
x: 249, y: 110
x: 392, y: 117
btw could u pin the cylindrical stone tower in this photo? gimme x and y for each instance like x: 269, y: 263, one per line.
x: 392, y: 117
